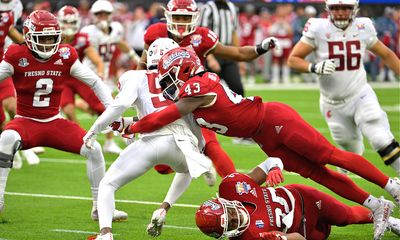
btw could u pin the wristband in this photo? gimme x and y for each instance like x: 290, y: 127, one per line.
x: 271, y: 163
x: 260, y: 50
x: 311, y: 68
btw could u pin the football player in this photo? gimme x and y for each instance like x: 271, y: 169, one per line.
x: 174, y: 145
x: 347, y: 101
x: 38, y: 69
x: 277, y: 128
x: 182, y: 16
x: 245, y: 210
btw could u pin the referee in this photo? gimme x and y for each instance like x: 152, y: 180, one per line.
x: 221, y: 17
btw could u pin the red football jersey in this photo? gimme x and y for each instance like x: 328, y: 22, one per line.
x: 80, y: 43
x: 202, y: 40
x: 267, y: 206
x: 230, y: 114
x: 6, y: 21
x: 39, y: 83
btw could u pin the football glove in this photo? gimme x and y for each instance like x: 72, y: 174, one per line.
x: 89, y: 139
x: 274, y: 177
x: 325, y: 67
x: 156, y: 223
x: 273, y: 235
x: 121, y: 123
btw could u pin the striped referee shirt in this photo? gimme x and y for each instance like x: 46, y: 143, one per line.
x: 221, y: 18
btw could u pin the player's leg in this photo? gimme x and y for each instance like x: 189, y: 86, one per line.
x: 374, y: 124
x: 67, y: 103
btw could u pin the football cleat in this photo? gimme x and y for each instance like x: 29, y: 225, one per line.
x: 111, y: 147
x: 117, y: 216
x: 156, y: 223
x: 394, y: 225
x: 381, y: 217
x: 342, y: 171
x: 107, y: 236
x: 30, y: 157
x: 38, y: 150
x: 396, y: 191
x: 17, y: 162
x: 210, y: 177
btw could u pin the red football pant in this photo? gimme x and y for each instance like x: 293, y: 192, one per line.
x: 305, y: 151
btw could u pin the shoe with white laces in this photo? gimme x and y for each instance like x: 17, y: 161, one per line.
x: 210, y: 176
x: 38, y: 150
x: 107, y: 236
x: 156, y: 223
x: 381, y: 217
x: 117, y: 216
x: 17, y: 162
x: 394, y: 225
x: 111, y: 147
x: 342, y: 171
x: 30, y: 157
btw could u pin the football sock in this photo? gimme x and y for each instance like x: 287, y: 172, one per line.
x: 372, y: 203
x: 3, y: 180
x: 178, y: 186
x: 392, y: 186
x: 106, y: 205
x: 358, y: 165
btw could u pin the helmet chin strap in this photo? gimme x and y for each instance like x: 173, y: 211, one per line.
x: 246, y: 218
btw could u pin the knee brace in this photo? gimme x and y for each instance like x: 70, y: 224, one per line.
x: 390, y: 153
x: 10, y: 142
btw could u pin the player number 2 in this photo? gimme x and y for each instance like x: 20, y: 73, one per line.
x: 347, y: 53
x: 44, y: 87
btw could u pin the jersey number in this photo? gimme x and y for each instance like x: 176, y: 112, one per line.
x: 106, y: 51
x: 218, y: 128
x: 278, y: 211
x: 348, y: 54
x: 44, y: 87
x: 158, y: 101
x: 192, y: 88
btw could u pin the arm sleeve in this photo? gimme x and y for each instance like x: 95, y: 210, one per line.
x: 87, y: 76
x: 6, y: 70
x: 125, y: 98
x: 178, y: 186
x: 156, y: 120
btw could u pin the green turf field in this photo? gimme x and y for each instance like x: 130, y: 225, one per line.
x: 52, y: 200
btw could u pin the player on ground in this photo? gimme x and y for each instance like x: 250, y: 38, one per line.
x: 38, y: 69
x: 174, y: 145
x: 277, y: 128
x: 245, y: 210
x: 182, y: 16
x: 347, y: 101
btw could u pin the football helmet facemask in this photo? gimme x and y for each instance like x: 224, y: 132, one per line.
x: 175, y: 68
x: 42, y: 33
x: 222, y: 218
x: 182, y: 16
x: 69, y: 19
x: 340, y: 20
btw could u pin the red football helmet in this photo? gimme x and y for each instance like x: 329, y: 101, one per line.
x: 42, y: 33
x: 181, y: 8
x: 222, y: 218
x: 175, y: 68
x: 69, y: 19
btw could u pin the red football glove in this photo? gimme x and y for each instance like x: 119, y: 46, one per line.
x: 273, y: 235
x: 121, y: 123
x: 274, y: 177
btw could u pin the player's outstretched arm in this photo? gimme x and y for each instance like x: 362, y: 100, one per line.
x: 269, y: 171
x: 296, y: 57
x: 15, y: 35
x: 389, y: 58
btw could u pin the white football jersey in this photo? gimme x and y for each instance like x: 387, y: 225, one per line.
x: 347, y: 48
x: 140, y: 89
x: 105, y: 44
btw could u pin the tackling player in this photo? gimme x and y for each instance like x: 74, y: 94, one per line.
x: 176, y: 145
x: 277, y: 128
x: 347, y: 101
x: 245, y: 210
x: 38, y: 69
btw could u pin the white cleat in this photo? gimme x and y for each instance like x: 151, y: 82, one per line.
x: 210, y: 177
x: 107, y: 236
x: 381, y: 217
x: 111, y: 147
x: 396, y: 191
x: 38, y: 150
x: 30, y: 157
x: 17, y: 162
x: 394, y: 225
x: 117, y: 216
x: 156, y: 223
x: 342, y: 171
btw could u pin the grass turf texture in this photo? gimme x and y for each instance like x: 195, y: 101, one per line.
x: 60, y: 173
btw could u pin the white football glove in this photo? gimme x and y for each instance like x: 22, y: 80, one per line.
x: 325, y: 67
x: 270, y: 43
x: 156, y: 223
x: 89, y: 139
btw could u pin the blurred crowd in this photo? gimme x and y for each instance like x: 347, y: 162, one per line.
x: 284, y: 21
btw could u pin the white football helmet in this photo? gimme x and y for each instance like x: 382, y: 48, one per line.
x: 6, y: 5
x: 69, y: 19
x: 342, y: 23
x: 181, y: 8
x: 157, y: 49
x: 102, y: 6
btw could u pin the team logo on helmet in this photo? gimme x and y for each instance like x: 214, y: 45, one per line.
x: 214, y: 206
x: 29, y: 25
x: 175, y: 56
x: 64, y: 52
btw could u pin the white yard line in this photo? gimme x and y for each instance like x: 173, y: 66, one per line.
x: 73, y: 231
x: 38, y: 195
x: 180, y: 227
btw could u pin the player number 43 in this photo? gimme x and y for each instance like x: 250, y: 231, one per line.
x: 192, y: 88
